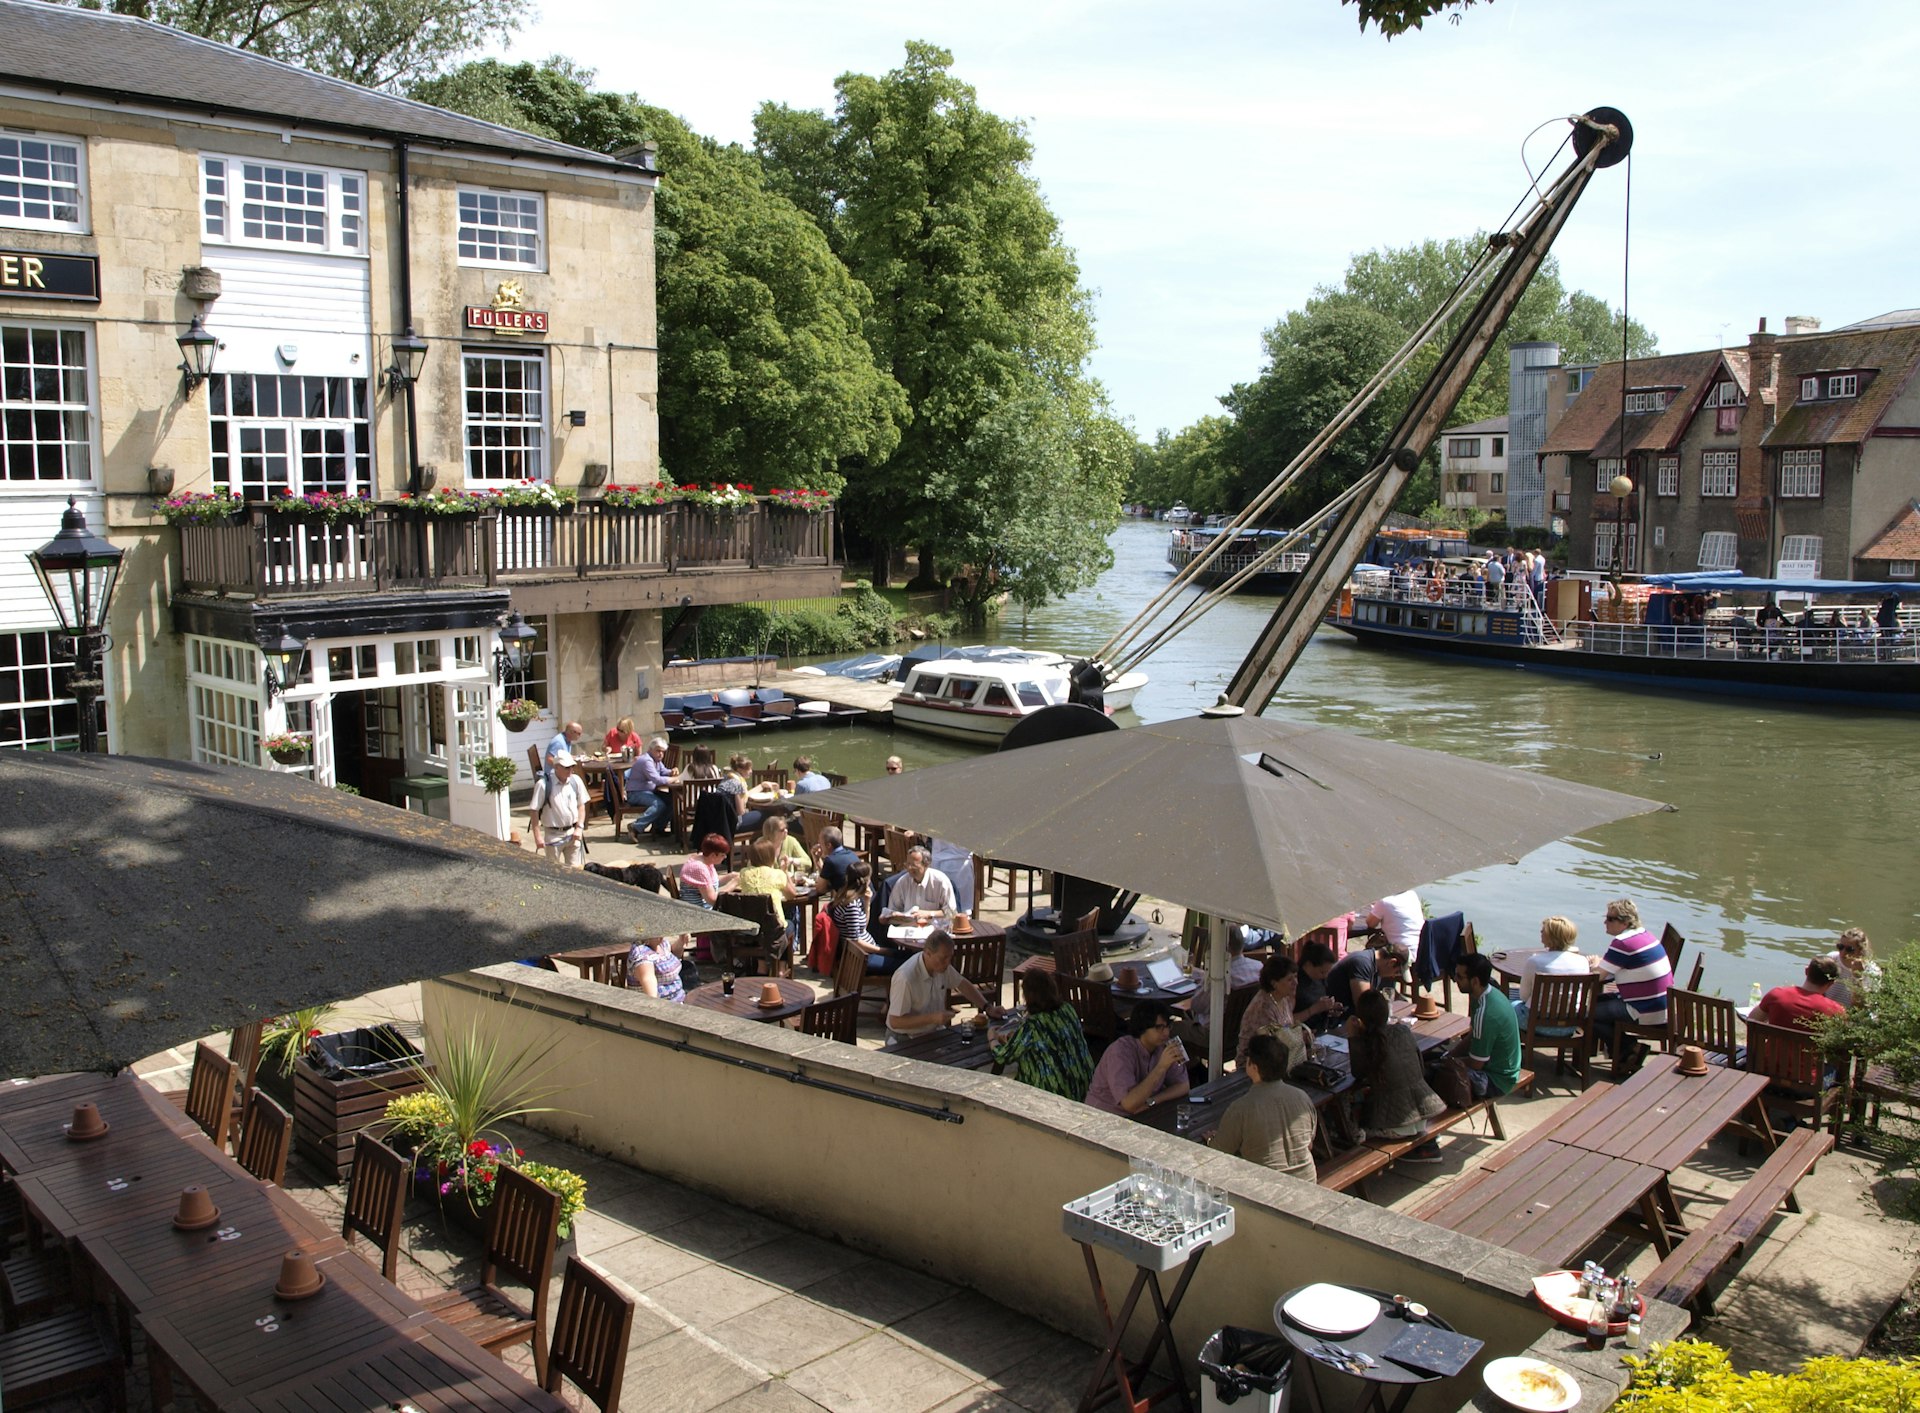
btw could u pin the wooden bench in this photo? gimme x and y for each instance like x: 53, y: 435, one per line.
x: 1682, y: 1278
x: 1353, y: 1167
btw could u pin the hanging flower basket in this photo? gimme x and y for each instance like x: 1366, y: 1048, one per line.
x: 446, y: 500
x: 289, y: 747
x: 328, y: 506
x: 517, y: 713
x: 199, y: 508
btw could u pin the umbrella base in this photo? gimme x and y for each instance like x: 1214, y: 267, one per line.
x: 1037, y: 932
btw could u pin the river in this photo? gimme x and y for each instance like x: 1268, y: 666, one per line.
x: 1790, y: 822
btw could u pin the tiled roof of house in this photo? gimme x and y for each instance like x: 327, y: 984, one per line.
x: 1488, y: 424
x: 1900, y: 540
x: 1592, y: 426
x: 76, y: 51
x: 1892, y: 319
x: 1891, y: 353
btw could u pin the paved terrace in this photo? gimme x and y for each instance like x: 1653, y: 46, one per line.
x: 740, y: 1311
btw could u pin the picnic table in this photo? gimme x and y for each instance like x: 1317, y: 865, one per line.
x: 205, y: 1298
x: 1552, y: 1202
x: 947, y: 1045
x: 744, y: 1003
x: 600, y: 963
x: 982, y: 929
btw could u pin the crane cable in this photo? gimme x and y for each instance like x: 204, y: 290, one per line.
x: 1126, y: 643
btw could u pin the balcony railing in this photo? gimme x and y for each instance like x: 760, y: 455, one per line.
x: 274, y: 555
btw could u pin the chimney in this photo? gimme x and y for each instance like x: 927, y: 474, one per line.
x: 1752, y: 505
x: 1801, y: 324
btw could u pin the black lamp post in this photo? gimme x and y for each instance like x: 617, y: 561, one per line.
x: 197, y: 348
x: 286, y: 662
x: 409, y: 360
x: 512, y: 657
x: 77, y: 572
x: 1622, y: 488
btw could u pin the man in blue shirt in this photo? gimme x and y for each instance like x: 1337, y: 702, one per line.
x: 648, y: 782
x: 563, y: 741
x: 806, y: 778
x: 835, y: 858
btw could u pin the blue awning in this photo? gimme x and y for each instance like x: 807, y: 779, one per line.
x: 1732, y: 581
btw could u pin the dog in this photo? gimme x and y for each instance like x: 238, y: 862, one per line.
x: 637, y: 875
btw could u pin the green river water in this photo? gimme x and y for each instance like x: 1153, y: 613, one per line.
x: 1791, y: 822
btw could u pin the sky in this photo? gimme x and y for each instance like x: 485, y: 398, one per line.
x: 1212, y: 163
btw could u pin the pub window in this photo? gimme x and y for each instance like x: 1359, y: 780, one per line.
x: 277, y: 206
x: 1652, y: 401
x: 43, y: 182
x: 1719, y: 473
x: 1800, y: 472
x: 1809, y: 389
x: 1499, y: 446
x: 46, y: 410
x: 506, y: 422
x: 1468, y: 481
x: 501, y: 228
x: 1719, y: 549
x: 1666, y: 476
x: 288, y: 433
x: 1726, y: 394
x: 1605, y: 536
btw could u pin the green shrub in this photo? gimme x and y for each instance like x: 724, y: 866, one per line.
x: 861, y: 620
x: 1883, y: 1027
x: 1689, y: 1376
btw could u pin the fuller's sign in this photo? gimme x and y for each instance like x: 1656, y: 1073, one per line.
x: 508, y: 314
x: 37, y: 274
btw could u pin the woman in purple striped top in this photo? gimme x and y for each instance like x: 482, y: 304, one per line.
x: 1638, y: 965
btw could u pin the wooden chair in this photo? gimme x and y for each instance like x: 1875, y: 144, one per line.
x: 613, y: 794
x: 899, y: 841
x: 210, y: 1093
x: 752, y: 952
x: 1711, y: 1022
x: 1796, y: 1071
x: 981, y: 960
x: 851, y: 977
x: 243, y: 1048
x: 522, y: 1231
x: 685, y: 793
x: 265, y: 1132
x: 1671, y: 942
x: 984, y: 870
x: 814, y: 822
x: 1235, y: 1011
x: 61, y: 1355
x: 590, y: 1334
x: 1699, y: 971
x: 534, y: 761
x: 838, y: 1019
x: 1076, y: 953
x: 778, y: 774
x: 1093, y: 1002
x: 376, y: 1199
x: 834, y: 778
x: 1560, y: 1015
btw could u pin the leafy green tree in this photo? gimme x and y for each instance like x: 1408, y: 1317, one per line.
x: 977, y: 309
x: 1320, y: 355
x: 379, y: 43
x: 765, y: 372
x: 1393, y: 17
x: 1882, y: 1027
x: 1192, y: 466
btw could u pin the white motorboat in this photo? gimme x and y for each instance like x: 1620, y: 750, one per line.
x: 978, y: 694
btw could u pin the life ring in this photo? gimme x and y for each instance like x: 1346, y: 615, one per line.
x: 1436, y: 590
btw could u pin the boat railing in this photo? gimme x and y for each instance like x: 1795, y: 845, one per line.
x: 1730, y: 638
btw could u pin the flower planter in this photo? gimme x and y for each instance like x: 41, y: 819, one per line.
x: 290, y: 757
x: 456, y: 1214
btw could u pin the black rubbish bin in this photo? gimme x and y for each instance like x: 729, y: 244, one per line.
x: 1244, y: 1370
x: 363, y: 1054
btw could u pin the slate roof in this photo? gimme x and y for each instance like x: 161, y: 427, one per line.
x: 1885, y: 356
x: 1592, y: 426
x: 1900, y: 540
x: 1489, y: 424
x: 109, y: 56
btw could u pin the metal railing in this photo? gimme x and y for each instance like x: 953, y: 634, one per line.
x: 271, y: 554
x: 1728, y: 638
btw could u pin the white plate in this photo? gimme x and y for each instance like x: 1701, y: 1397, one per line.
x: 1331, y: 1310
x: 1533, y: 1385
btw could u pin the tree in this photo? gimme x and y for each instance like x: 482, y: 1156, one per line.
x: 1882, y: 1027
x: 1398, y: 16
x: 1320, y: 355
x: 976, y: 310
x: 378, y: 43
x: 1192, y: 467
x: 765, y: 372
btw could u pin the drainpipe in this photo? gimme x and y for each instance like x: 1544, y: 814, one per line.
x: 405, y: 219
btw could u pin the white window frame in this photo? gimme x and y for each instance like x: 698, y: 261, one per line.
x: 1666, y: 476
x: 14, y: 166
x: 1843, y: 385
x: 1719, y: 474
x: 1719, y: 549
x: 488, y: 434
x: 1605, y: 532
x: 224, y: 202
x: 1805, y: 549
x: 61, y: 408
x: 471, y: 236
x: 1605, y: 468
x: 1809, y: 389
x: 1726, y: 393
x: 1496, y: 483
x: 1655, y: 400
x: 1900, y: 569
x: 1801, y: 476
x: 36, y: 694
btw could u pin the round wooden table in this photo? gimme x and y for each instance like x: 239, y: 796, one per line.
x: 981, y: 929
x: 1511, y: 962
x: 744, y: 1003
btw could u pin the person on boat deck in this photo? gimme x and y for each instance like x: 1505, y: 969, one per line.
x: 1887, y: 619
x: 923, y: 892
x: 1399, y: 915
x: 1804, y: 1005
x: 1496, y: 577
x: 1772, y: 624
x: 1853, y: 955
x: 1638, y: 965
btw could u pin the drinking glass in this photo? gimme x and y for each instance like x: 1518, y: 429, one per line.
x: 1182, y: 1116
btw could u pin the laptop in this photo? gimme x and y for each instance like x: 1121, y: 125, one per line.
x: 1167, y: 976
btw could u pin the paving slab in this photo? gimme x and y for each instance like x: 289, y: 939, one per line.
x: 878, y: 1374
x: 786, y: 1333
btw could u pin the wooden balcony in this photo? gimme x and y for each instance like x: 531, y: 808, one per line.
x: 686, y: 551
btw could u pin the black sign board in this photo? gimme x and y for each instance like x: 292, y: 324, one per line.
x: 38, y: 274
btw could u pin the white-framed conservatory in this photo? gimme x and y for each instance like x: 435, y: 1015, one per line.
x: 402, y: 717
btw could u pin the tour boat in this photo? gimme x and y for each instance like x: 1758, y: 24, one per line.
x: 978, y: 694
x: 1277, y: 571
x: 1179, y: 514
x: 1645, y: 633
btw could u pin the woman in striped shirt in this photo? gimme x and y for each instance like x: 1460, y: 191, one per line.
x: 1638, y: 965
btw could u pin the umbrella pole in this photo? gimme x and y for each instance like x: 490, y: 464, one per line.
x: 1216, y: 993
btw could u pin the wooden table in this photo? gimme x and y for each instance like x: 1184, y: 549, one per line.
x: 946, y: 1045
x: 1373, y: 1340
x: 1659, y: 1117
x: 1208, y: 1103
x: 432, y: 1370
x: 982, y: 928
x: 1552, y: 1202
x: 795, y: 997
x: 601, y: 963
x: 1510, y: 963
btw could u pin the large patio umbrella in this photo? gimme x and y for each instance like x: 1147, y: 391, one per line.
x: 147, y: 902
x: 1262, y: 821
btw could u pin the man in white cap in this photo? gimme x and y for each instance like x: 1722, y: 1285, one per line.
x: 558, y: 817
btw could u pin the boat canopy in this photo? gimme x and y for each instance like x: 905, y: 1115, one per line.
x: 1732, y: 581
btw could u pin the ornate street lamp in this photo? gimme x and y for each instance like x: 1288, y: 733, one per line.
x: 77, y: 572
x: 409, y: 360
x: 1622, y: 488
x: 286, y: 658
x: 197, y: 348
x: 515, y: 654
